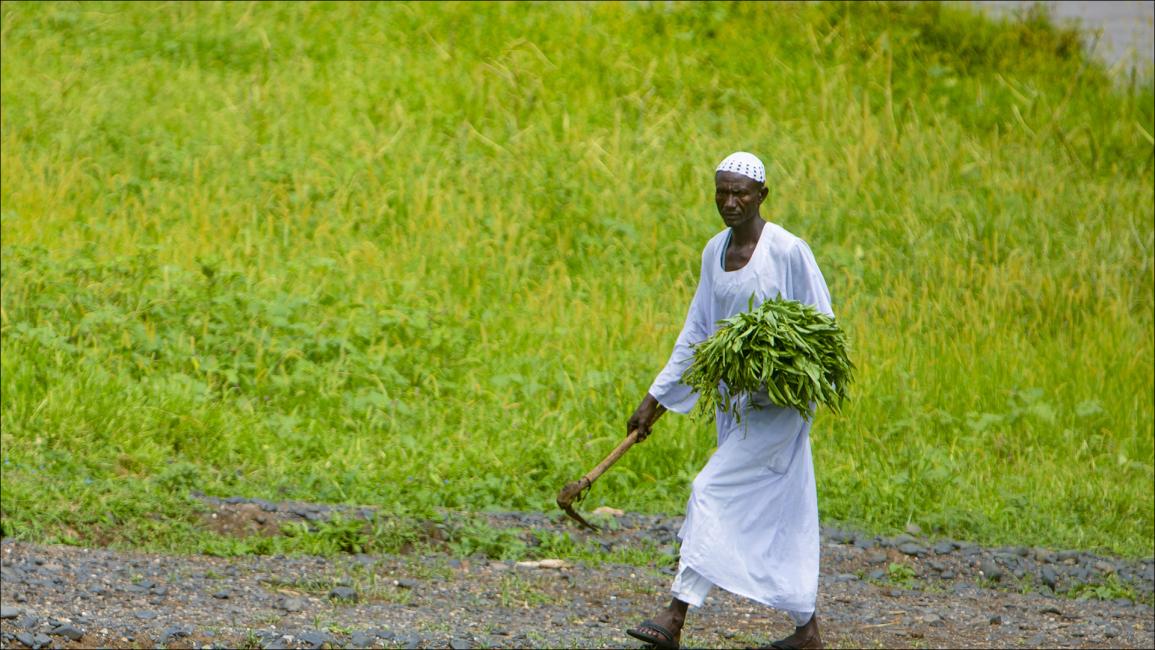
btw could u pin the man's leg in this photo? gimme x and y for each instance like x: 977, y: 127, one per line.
x: 805, y: 632
x: 665, y: 629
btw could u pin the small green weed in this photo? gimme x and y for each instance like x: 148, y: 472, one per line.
x: 901, y: 574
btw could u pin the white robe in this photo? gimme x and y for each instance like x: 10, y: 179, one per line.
x: 751, y: 523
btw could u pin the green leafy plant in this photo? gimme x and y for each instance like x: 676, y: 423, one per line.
x: 794, y: 352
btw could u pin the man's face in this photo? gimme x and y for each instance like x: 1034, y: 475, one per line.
x: 737, y: 197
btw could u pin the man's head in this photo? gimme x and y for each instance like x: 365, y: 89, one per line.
x: 739, y: 188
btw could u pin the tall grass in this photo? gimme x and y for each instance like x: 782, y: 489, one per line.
x: 433, y: 254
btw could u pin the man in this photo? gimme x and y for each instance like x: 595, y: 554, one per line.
x: 751, y: 523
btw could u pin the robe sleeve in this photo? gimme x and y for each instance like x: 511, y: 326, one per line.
x: 668, y: 388
x: 807, y: 285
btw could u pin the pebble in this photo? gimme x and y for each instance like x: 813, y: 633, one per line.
x: 223, y: 594
x: 864, y: 543
x: 145, y: 614
x: 942, y: 548
x: 291, y: 604
x: 10, y: 612
x: 25, y: 638
x: 876, y: 558
x: 1048, y: 577
x: 314, y: 638
x: 841, y: 536
x: 990, y: 569
x: 68, y: 631
x: 460, y: 644
x: 174, y: 632
x: 911, y: 548
x: 344, y: 593
x: 996, y: 620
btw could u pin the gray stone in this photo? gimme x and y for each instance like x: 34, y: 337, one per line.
x: 25, y: 638
x: 41, y: 640
x: 990, y: 569
x: 996, y: 620
x: 845, y: 577
x: 911, y: 548
x: 460, y: 644
x: 145, y: 614
x: 902, y: 539
x: 344, y: 593
x: 314, y: 638
x: 877, y: 558
x: 68, y: 631
x: 406, y: 583
x: 222, y: 594
x: 291, y: 604
x: 864, y: 543
x: 29, y: 621
x: 877, y: 574
x: 10, y: 612
x: 361, y: 640
x: 174, y: 632
x: 947, y: 575
x: 1106, y: 568
x: 1048, y: 577
x: 942, y: 548
x: 840, y: 536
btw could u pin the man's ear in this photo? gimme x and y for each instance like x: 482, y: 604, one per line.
x: 763, y: 193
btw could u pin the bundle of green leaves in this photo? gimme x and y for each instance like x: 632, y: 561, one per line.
x: 794, y: 352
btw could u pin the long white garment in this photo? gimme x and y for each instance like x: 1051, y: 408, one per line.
x: 751, y: 523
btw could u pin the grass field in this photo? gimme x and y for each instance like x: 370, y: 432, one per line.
x: 432, y: 255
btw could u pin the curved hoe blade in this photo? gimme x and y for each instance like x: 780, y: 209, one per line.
x: 571, y: 492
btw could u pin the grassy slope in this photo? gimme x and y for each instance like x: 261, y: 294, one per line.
x: 433, y: 254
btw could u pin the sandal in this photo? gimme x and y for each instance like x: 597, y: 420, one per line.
x: 642, y: 633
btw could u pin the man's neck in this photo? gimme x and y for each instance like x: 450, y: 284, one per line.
x: 748, y: 233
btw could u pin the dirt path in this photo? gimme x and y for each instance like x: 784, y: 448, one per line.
x: 874, y: 592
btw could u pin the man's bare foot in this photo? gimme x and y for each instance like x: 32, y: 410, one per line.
x: 664, y: 630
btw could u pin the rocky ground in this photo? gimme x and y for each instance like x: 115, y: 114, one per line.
x: 905, y: 591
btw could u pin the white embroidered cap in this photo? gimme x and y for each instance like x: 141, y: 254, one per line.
x: 746, y: 164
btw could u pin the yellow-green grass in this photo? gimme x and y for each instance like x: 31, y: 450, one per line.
x: 431, y: 255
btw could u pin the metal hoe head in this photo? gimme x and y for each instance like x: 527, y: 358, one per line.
x: 575, y: 491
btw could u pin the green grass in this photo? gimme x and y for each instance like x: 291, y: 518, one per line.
x: 431, y: 255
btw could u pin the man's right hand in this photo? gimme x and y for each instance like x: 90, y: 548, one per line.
x: 645, y: 416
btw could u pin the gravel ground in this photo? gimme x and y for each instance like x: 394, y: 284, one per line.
x: 952, y: 594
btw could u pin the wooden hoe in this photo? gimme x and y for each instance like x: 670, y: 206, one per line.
x: 575, y: 490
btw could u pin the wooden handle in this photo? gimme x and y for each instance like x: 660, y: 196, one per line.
x: 617, y: 453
